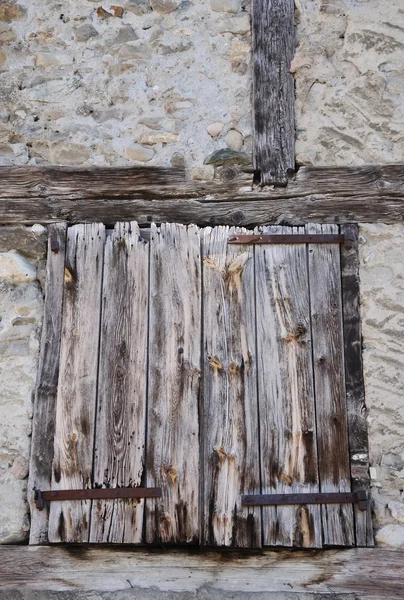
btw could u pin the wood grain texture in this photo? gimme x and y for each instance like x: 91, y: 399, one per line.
x: 76, y: 395
x: 121, y: 404
x: 230, y: 424
x: 355, y: 385
x: 329, y: 382
x: 274, y: 91
x: 44, y: 419
x: 174, y: 384
x: 316, y: 194
x: 285, y: 391
x: 364, y: 574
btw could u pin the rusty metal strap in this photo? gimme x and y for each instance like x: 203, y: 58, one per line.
x: 95, y: 494
x: 359, y: 497
x: 298, y: 238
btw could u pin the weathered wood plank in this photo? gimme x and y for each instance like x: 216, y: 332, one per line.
x: 355, y: 386
x: 329, y: 382
x: 174, y: 384
x: 316, y: 194
x: 230, y: 422
x: 44, y: 420
x: 366, y: 574
x: 77, y: 387
x: 274, y: 91
x: 121, y: 403
x: 285, y: 391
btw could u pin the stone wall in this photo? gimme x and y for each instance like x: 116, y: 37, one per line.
x: 22, y: 253
x: 165, y: 82
x: 382, y: 301
x: 349, y: 72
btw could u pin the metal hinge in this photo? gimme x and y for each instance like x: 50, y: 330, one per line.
x: 94, y: 494
x: 359, y: 497
x: 298, y: 238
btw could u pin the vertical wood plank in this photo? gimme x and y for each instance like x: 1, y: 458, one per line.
x: 285, y: 391
x: 230, y: 426
x: 329, y: 381
x: 76, y: 396
x: 43, y: 425
x: 273, y: 51
x: 121, y: 404
x: 174, y: 384
x: 355, y: 387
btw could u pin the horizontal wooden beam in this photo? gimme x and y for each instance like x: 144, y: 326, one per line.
x: 324, y: 195
x: 371, y: 574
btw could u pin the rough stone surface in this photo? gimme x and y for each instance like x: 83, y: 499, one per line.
x: 349, y: 72
x: 382, y: 305
x: 80, y: 81
x: 21, y: 305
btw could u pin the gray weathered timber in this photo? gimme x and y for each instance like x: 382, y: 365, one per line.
x: 316, y: 194
x: 44, y: 419
x: 76, y: 395
x: 329, y: 383
x: 366, y: 573
x: 174, y: 384
x: 355, y: 386
x: 285, y: 391
x: 121, y: 403
x: 230, y: 409
x: 273, y: 97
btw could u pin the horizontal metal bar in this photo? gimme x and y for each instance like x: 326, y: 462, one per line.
x: 318, y: 238
x: 358, y: 497
x: 94, y: 494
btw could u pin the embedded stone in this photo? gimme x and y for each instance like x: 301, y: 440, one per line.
x: 202, y: 173
x: 11, y: 12
x: 85, y: 32
x: 102, y: 13
x: 226, y: 156
x: 397, y: 511
x: 234, y: 140
x: 159, y: 138
x: 164, y: 6
x: 125, y: 34
x: 238, y: 25
x: 70, y: 154
x: 52, y: 59
x: 7, y: 34
x: 391, y: 536
x: 229, y: 6
x: 52, y: 90
x: 20, y: 468
x: 139, y: 153
x: 3, y: 59
x: 178, y: 160
x: 15, y: 268
x: 117, y: 11
x: 215, y: 129
x: 136, y: 52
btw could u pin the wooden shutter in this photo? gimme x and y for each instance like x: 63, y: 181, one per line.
x: 204, y: 371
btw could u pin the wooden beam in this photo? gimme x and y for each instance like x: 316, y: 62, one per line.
x: 273, y: 50
x: 317, y: 194
x: 367, y: 574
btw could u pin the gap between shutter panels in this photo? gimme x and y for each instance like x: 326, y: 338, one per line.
x: 233, y: 379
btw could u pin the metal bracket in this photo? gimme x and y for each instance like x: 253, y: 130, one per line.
x: 94, y: 494
x: 359, y: 497
x: 298, y: 238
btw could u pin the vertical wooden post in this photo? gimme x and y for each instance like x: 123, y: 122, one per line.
x: 43, y: 426
x: 273, y: 48
x: 355, y: 386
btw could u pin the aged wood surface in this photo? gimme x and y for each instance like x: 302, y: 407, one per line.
x: 316, y: 194
x: 285, y: 390
x: 121, y: 403
x: 174, y: 384
x: 274, y: 91
x: 230, y: 409
x: 366, y: 573
x: 355, y: 385
x: 44, y: 419
x: 329, y: 384
x: 76, y: 395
